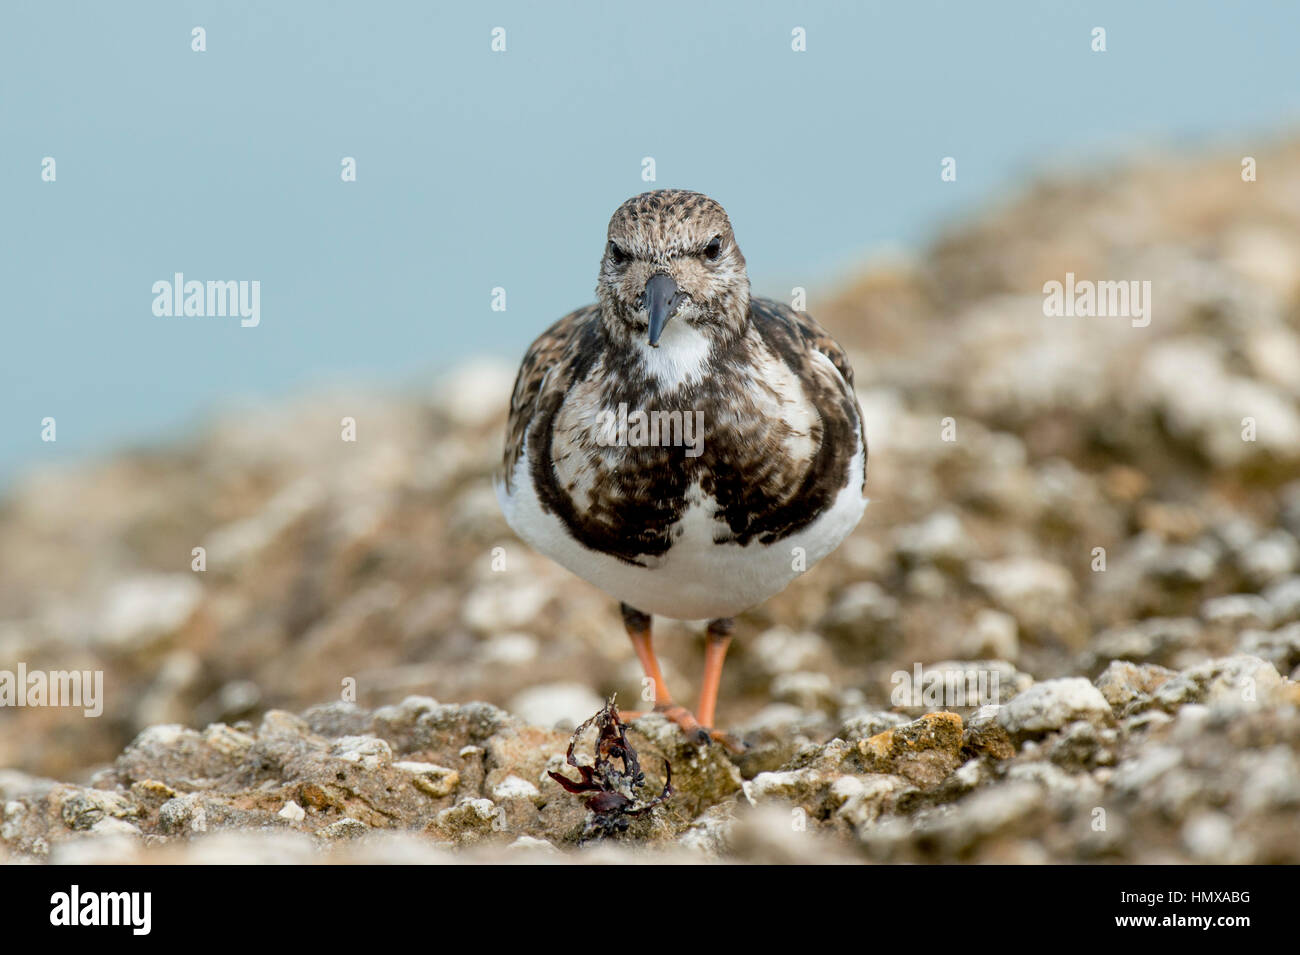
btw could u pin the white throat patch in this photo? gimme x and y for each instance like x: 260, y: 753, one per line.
x: 681, y: 356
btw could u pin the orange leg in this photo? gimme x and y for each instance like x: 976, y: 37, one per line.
x: 715, y: 652
x: 638, y: 631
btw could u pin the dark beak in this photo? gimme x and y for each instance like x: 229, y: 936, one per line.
x: 660, y: 299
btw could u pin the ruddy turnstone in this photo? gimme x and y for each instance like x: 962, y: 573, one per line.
x: 682, y: 445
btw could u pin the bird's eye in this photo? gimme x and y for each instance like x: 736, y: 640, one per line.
x: 617, y: 255
x: 714, y: 248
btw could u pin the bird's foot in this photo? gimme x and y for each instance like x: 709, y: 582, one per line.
x: 685, y: 719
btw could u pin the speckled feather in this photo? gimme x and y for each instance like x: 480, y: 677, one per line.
x: 783, y: 434
x: 636, y: 494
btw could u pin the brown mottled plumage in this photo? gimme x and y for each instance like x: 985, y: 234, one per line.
x: 776, y: 480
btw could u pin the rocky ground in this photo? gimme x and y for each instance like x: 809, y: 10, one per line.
x: 1106, y: 518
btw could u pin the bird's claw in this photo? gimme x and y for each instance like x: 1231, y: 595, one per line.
x: 695, y: 732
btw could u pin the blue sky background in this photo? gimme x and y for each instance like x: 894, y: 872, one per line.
x: 478, y: 169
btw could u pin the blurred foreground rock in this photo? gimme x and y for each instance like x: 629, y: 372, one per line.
x: 1209, y: 774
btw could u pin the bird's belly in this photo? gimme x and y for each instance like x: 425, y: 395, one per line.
x: 696, y: 578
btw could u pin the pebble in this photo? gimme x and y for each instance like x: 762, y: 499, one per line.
x: 1050, y: 705
x: 555, y: 704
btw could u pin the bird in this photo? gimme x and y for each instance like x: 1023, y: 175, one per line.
x: 681, y: 444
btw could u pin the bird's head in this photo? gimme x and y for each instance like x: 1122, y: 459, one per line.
x: 672, y: 268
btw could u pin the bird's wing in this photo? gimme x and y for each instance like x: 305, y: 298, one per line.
x: 544, y: 377
x: 808, y: 333
x: 806, y: 347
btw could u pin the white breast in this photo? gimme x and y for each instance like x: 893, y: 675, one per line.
x: 696, y: 579
x: 681, y: 357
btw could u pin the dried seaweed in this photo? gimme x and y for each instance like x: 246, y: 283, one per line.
x: 613, y: 799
